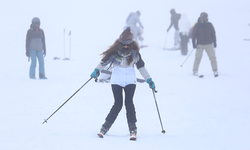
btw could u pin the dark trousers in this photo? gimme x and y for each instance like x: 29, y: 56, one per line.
x: 184, y: 43
x: 116, y: 108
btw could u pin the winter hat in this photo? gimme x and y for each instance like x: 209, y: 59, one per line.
x: 126, y: 37
x: 138, y: 13
x: 204, y: 17
x: 35, y: 20
x: 172, y: 11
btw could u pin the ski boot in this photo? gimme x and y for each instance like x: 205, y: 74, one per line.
x: 216, y: 74
x: 105, y: 127
x: 133, y: 131
x: 195, y: 73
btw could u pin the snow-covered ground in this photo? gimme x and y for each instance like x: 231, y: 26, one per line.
x: 197, y: 114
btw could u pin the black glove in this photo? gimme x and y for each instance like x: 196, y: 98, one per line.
x: 194, y: 46
x: 215, y: 45
x: 27, y: 54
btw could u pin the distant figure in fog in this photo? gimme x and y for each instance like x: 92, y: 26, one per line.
x: 175, y: 22
x: 185, y: 27
x: 204, y: 38
x: 36, y: 48
x: 132, y: 21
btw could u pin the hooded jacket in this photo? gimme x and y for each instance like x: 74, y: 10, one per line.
x: 174, y: 19
x: 184, y: 24
x: 203, y: 33
x: 35, y: 39
x: 123, y: 73
x: 133, y: 19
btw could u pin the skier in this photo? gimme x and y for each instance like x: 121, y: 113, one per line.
x: 132, y: 21
x: 184, y: 33
x: 204, y: 37
x: 122, y: 56
x: 35, y: 47
x: 174, y: 22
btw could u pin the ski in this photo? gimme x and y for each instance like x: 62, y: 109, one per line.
x: 199, y: 76
x: 100, y: 135
x: 246, y: 39
x: 110, y: 72
x: 143, y: 46
x: 171, y: 49
x: 56, y: 58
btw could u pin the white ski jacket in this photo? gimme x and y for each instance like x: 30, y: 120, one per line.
x: 124, y: 74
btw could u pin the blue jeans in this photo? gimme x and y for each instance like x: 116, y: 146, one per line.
x: 39, y: 55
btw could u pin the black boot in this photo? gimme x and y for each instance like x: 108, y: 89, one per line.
x: 133, y: 131
x: 132, y: 128
x: 105, y: 127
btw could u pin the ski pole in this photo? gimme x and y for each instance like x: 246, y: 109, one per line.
x: 165, y: 41
x: 64, y: 42
x: 187, y: 57
x: 154, y: 91
x: 69, y: 44
x: 45, y: 120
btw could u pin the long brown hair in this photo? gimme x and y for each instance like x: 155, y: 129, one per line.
x: 118, y: 46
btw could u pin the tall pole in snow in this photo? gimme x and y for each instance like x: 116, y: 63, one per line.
x: 64, y: 41
x: 69, y: 43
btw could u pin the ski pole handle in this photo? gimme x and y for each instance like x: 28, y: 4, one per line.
x: 154, y: 90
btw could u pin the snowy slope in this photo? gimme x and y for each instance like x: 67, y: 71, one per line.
x: 197, y: 114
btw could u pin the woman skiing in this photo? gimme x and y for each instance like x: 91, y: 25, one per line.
x: 122, y: 56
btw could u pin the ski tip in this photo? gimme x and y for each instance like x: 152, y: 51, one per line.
x: 66, y: 59
x: 45, y: 121
x: 132, y: 139
x: 201, y: 76
x: 100, y: 135
x: 143, y: 46
x: 56, y: 58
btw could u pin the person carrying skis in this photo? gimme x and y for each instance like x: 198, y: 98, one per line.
x: 35, y: 47
x: 122, y: 56
x: 175, y: 22
x: 204, y: 38
x: 184, y: 33
x: 132, y: 21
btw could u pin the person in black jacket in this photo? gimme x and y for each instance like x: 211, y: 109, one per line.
x: 35, y: 47
x: 175, y: 17
x: 204, y: 38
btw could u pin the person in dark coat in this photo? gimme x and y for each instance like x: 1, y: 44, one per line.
x: 175, y: 17
x: 36, y: 48
x: 204, y: 38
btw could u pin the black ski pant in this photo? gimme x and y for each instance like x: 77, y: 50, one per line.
x: 184, y: 43
x: 116, y: 108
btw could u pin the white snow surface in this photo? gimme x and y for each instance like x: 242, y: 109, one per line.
x: 197, y: 114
